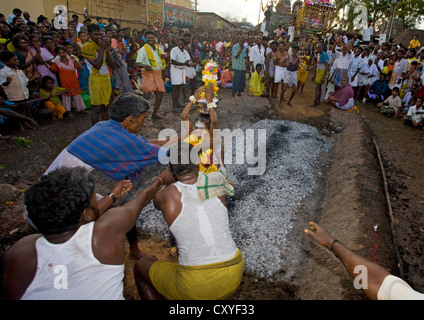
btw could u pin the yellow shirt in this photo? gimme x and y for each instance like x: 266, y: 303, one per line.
x: 414, y: 44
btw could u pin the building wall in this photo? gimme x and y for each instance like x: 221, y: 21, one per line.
x: 130, y: 13
x: 34, y: 7
x: 188, y: 4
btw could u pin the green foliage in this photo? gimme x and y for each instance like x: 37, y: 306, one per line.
x: 409, y: 12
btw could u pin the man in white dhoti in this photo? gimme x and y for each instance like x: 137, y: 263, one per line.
x: 180, y: 59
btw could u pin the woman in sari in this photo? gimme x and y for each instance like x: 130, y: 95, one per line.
x: 46, y: 57
x: 27, y: 57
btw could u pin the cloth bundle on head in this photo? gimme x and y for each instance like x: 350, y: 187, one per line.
x: 214, y: 184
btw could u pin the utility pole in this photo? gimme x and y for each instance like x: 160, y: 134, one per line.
x: 394, y: 6
x: 260, y: 10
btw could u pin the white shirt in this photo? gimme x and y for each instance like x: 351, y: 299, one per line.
x: 366, y: 35
x: 412, y: 112
x: 179, y: 56
x: 87, y: 278
x: 17, y: 89
x: 343, y: 61
x: 394, y: 288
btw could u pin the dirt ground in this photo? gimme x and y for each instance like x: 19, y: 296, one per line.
x: 349, y: 201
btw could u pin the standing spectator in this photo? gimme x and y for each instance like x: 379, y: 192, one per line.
x: 26, y: 17
x: 321, y: 63
x: 179, y: 59
x: 368, y: 33
x: 66, y: 66
x: 96, y: 52
x: 414, y: 43
x: 100, y: 23
x: 123, y: 83
x: 27, y: 57
x: 152, y: 60
x: 78, y: 24
x: 239, y: 67
x: 15, y: 13
x: 46, y: 58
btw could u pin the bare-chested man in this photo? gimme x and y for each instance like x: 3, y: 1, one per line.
x: 280, y: 62
x: 290, y: 75
x: 270, y: 71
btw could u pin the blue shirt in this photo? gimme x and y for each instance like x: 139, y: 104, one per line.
x: 238, y: 63
x: 111, y: 149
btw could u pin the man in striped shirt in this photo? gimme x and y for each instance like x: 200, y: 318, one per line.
x: 239, y: 67
x: 114, y: 147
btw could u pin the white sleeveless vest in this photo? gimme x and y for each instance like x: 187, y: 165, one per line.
x: 69, y: 271
x: 202, y: 230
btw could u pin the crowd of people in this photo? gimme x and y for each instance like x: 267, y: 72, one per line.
x: 59, y: 71
x: 49, y: 70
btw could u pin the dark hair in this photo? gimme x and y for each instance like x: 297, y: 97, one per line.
x: 396, y: 89
x: 149, y: 32
x: 45, y: 38
x: 92, y: 27
x: 178, y: 164
x: 6, y: 55
x: 17, y: 10
x: 16, y: 39
x: 128, y: 104
x: 55, y: 203
x: 66, y: 44
x: 44, y: 81
x: 58, y: 48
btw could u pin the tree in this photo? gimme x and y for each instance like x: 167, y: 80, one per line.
x: 410, y: 12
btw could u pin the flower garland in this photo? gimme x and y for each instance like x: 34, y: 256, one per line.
x: 210, y: 78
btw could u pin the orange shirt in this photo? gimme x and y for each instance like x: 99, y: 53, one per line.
x: 68, y: 76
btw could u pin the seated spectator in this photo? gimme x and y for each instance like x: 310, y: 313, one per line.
x: 51, y: 94
x: 7, y: 115
x: 257, y: 83
x: 227, y: 78
x: 392, y: 105
x: 343, y: 98
x: 409, y: 98
x: 415, y: 116
x: 14, y: 83
x: 377, y: 92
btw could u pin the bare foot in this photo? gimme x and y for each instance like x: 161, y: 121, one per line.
x: 289, y: 104
x: 84, y: 112
x: 155, y: 116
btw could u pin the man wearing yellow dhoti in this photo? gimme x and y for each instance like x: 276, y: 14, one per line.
x: 96, y: 52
